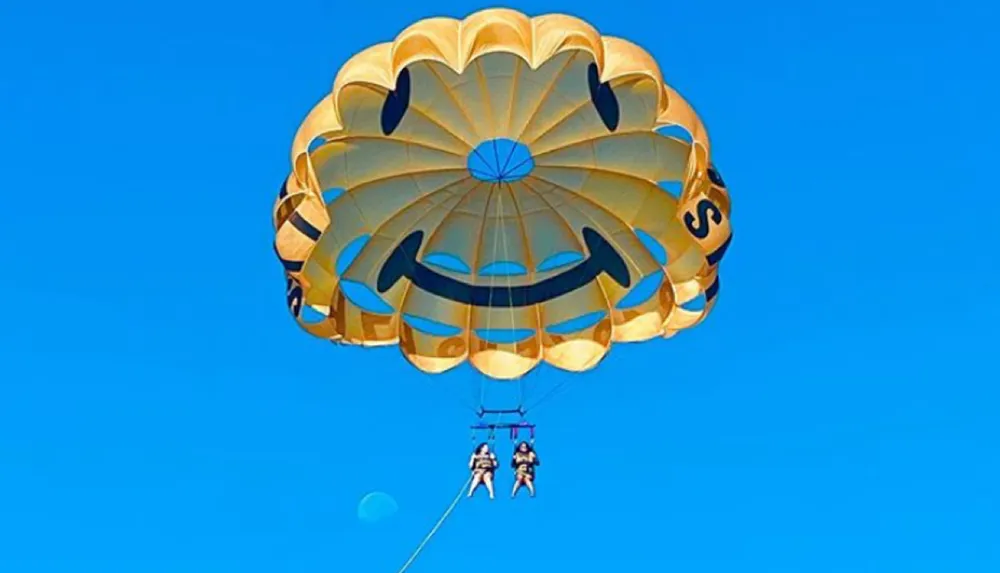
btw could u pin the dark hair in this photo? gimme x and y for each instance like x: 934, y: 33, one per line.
x: 527, y: 445
x: 479, y: 448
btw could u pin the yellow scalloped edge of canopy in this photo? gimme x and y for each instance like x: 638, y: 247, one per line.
x: 536, y: 41
x: 457, y: 43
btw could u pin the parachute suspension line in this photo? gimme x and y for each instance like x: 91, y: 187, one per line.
x: 463, y: 402
x: 501, y: 231
x: 482, y: 395
x: 447, y: 513
x: 510, y: 286
x: 562, y: 386
x: 520, y: 394
x: 440, y: 522
x: 555, y: 391
x: 483, y: 384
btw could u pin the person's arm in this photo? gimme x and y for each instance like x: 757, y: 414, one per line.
x: 472, y: 461
x: 513, y: 461
x: 493, y: 458
x: 538, y: 462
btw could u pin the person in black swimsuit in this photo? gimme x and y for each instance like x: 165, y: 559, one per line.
x: 524, y: 462
x: 482, y: 463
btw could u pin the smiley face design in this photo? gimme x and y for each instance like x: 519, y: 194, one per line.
x: 504, y: 190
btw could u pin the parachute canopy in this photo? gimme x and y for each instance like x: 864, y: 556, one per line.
x: 505, y: 190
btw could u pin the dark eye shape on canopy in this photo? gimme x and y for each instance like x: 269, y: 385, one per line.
x: 715, y: 177
x: 602, y: 96
x: 397, y: 101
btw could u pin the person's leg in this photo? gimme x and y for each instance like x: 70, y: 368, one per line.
x: 488, y: 480
x: 530, y: 483
x: 517, y: 485
x: 477, y: 477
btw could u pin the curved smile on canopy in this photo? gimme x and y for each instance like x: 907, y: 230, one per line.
x: 402, y: 262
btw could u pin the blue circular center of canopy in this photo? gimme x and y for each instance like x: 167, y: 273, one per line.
x: 500, y: 161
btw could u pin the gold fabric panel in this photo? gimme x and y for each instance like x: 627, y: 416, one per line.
x: 498, y: 74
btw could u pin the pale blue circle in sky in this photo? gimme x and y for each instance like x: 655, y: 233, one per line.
x: 376, y: 506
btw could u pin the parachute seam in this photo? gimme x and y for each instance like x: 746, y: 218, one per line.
x: 430, y: 237
x: 352, y: 189
x: 608, y: 236
x: 367, y: 226
x: 547, y: 92
x: 510, y: 113
x: 540, y: 161
x: 349, y: 137
x: 501, y: 215
x: 423, y: 113
x: 591, y: 170
x: 430, y: 234
x: 376, y: 231
x: 588, y: 171
x: 582, y: 105
x: 448, y: 187
x: 513, y: 96
x: 607, y: 301
x: 540, y: 155
x: 484, y: 93
x: 406, y: 287
x: 601, y: 47
x: 373, y: 231
x: 458, y: 105
x: 568, y: 227
x: 611, y: 239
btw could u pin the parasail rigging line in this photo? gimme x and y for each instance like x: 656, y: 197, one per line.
x: 506, y: 256
x: 489, y: 312
x: 440, y: 522
x: 444, y: 516
x: 555, y: 391
x: 498, y: 231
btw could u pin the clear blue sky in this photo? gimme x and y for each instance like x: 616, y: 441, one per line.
x: 160, y: 411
